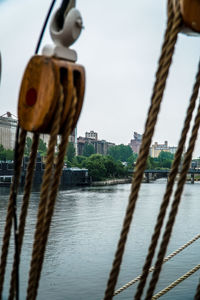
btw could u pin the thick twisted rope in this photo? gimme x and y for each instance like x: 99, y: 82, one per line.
x: 169, y: 188
x: 175, y: 205
x: 170, y: 256
x: 54, y: 188
x: 46, y: 182
x: 144, y: 151
x: 176, y: 282
x: 197, y: 295
x: 7, y: 229
x: 24, y: 209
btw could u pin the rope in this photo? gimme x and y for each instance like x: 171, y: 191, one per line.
x: 44, y: 26
x: 175, y: 205
x: 176, y: 282
x: 24, y: 209
x: 138, y: 278
x: 7, y: 229
x: 169, y: 188
x: 197, y: 295
x: 159, y: 87
x: 54, y: 188
x: 47, y: 177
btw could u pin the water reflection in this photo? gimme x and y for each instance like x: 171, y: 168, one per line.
x: 84, y: 234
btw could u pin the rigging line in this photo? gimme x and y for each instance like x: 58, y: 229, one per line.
x: 170, y: 183
x: 46, y: 182
x: 176, y: 282
x: 15, y: 169
x: 24, y: 209
x: 9, y: 216
x: 54, y: 187
x: 44, y: 26
x: 167, y: 258
x: 156, y: 99
x: 15, y: 215
x: 175, y: 206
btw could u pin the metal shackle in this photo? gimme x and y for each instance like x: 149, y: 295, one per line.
x: 71, y: 30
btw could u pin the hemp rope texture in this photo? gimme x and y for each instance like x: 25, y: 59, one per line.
x: 54, y: 188
x: 197, y: 295
x: 144, y: 151
x: 46, y: 183
x: 138, y: 278
x: 175, y: 205
x: 24, y: 208
x: 9, y: 217
x: 170, y: 184
x: 176, y: 282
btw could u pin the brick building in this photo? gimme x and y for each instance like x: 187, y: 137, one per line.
x: 136, y: 142
x: 100, y: 146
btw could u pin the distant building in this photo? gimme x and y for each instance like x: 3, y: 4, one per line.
x: 91, y: 135
x: 8, y: 125
x: 100, y: 146
x: 136, y: 142
x: 157, y: 148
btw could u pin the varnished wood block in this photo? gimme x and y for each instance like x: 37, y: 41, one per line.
x: 38, y: 94
x: 71, y: 75
x: 43, y: 80
x: 190, y: 10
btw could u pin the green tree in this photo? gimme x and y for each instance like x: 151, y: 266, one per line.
x: 78, y: 160
x: 28, y: 145
x: 2, y: 153
x: 42, y: 148
x: 101, y: 167
x: 9, y: 154
x: 165, y: 159
x: 88, y: 150
x: 95, y: 167
x: 70, y: 151
x: 165, y: 156
x: 6, y: 154
x: 120, y: 152
x: 131, y: 160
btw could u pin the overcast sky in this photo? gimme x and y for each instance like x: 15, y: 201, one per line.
x: 119, y: 48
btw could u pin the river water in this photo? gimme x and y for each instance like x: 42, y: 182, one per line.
x: 84, y: 235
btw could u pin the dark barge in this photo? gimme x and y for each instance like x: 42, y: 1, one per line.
x: 71, y: 177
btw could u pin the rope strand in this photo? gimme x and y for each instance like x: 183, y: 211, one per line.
x: 175, y: 205
x: 47, y: 177
x: 24, y: 209
x: 54, y: 188
x: 166, y: 259
x: 171, y: 179
x: 7, y: 229
x: 144, y: 151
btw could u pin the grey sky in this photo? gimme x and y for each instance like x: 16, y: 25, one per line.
x: 119, y: 48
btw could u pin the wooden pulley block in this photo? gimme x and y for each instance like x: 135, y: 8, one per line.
x: 190, y: 10
x: 43, y: 81
x: 71, y: 76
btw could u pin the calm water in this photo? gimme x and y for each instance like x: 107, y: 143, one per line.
x: 84, y: 234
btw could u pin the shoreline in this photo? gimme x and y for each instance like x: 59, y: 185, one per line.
x: 111, y: 182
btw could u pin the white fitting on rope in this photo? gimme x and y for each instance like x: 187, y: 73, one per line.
x: 71, y: 30
x: 65, y: 37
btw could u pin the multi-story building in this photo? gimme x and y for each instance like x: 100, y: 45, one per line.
x: 136, y: 142
x: 157, y: 148
x: 8, y: 125
x: 100, y: 146
x: 91, y: 135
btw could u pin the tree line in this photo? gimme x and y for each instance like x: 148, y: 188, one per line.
x: 118, y: 162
